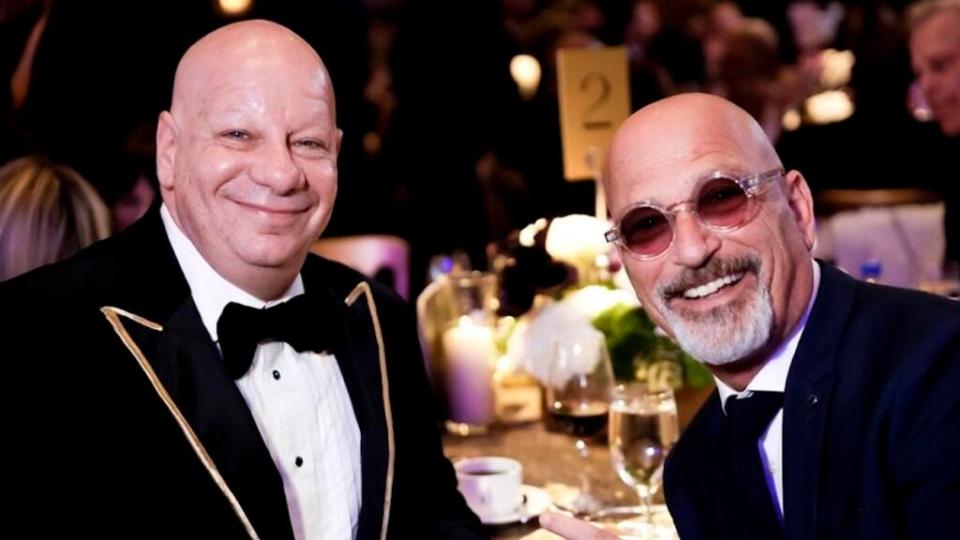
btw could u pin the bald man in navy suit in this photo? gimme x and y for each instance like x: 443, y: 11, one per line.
x: 837, y: 402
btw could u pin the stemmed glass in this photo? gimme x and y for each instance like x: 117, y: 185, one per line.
x: 643, y: 428
x: 578, y: 398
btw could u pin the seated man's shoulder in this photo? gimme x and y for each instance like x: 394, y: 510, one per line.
x: 912, y: 312
x: 899, y: 339
x: 77, y: 280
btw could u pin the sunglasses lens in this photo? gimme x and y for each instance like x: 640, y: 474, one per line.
x: 646, y: 231
x: 723, y: 203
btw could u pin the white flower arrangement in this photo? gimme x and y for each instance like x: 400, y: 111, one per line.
x: 564, y: 322
x: 577, y: 240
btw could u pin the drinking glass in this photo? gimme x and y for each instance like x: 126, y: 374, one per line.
x: 578, y: 399
x: 643, y: 428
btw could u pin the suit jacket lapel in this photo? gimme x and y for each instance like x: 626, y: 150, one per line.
x: 188, y: 366
x: 721, y: 506
x: 359, y: 362
x: 807, y: 400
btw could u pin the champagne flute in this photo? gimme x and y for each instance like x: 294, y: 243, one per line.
x: 578, y: 397
x: 643, y: 429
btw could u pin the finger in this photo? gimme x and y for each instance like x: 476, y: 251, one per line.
x: 572, y: 528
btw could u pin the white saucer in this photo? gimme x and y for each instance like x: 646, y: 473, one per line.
x: 535, y: 502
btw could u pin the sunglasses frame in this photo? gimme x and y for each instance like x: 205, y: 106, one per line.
x: 750, y: 184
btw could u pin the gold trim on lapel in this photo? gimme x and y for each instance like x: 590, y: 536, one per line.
x: 363, y: 289
x: 113, y: 315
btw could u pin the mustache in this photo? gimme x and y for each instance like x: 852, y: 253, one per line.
x: 715, y: 269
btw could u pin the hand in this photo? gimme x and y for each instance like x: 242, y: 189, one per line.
x: 572, y: 528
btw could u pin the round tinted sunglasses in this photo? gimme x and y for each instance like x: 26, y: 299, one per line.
x: 722, y: 202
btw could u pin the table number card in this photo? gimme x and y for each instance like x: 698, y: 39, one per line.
x: 594, y: 100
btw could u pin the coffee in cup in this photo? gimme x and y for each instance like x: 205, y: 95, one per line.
x: 491, y: 485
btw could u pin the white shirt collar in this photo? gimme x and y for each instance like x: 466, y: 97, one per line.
x: 772, y: 377
x: 212, y: 292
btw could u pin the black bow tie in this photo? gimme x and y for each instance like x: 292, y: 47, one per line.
x: 302, y: 322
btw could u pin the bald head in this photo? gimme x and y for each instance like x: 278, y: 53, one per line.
x: 688, y: 129
x: 239, y: 48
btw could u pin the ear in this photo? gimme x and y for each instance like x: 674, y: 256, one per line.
x: 801, y: 206
x: 337, y: 139
x: 167, y: 145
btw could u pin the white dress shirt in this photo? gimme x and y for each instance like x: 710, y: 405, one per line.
x: 299, y: 402
x: 772, y: 377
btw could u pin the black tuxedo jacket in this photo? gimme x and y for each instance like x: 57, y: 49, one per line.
x: 122, y: 421
x: 871, y: 425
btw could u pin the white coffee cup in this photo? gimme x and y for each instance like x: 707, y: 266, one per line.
x: 491, y: 485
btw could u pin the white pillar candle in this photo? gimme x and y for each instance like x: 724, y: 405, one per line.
x: 470, y: 353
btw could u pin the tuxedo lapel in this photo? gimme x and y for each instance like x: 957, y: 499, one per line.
x: 359, y: 357
x: 157, y: 321
x: 190, y: 366
x: 807, y: 400
x: 359, y: 365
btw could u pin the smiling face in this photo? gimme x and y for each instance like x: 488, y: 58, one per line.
x: 247, y: 154
x: 725, y: 296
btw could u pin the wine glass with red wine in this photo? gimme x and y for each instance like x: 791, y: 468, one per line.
x: 578, y: 398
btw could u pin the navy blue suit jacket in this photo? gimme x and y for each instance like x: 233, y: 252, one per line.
x: 871, y: 425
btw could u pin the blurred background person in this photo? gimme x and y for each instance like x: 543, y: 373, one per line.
x: 746, y: 70
x: 935, y: 48
x: 877, y: 143
x: 935, y: 55
x: 47, y: 213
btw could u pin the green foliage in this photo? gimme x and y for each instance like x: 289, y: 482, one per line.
x: 635, y: 347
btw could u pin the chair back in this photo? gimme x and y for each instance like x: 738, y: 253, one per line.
x: 383, y: 257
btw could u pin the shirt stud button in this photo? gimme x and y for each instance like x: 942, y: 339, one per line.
x: 276, y: 375
x: 299, y: 461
